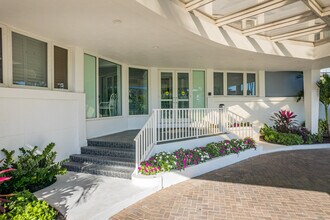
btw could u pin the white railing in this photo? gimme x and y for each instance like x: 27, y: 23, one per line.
x: 145, y: 139
x: 176, y: 124
x: 238, y: 125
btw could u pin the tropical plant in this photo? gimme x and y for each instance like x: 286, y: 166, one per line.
x: 3, y: 198
x: 324, y: 87
x: 284, y: 120
x: 322, y: 127
x: 33, y: 171
x: 25, y: 206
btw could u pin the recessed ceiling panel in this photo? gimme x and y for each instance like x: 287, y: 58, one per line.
x: 227, y: 7
x: 324, y: 3
x: 285, y: 12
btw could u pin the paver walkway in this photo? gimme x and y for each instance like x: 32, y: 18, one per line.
x: 285, y: 185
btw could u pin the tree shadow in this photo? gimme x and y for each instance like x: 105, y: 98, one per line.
x: 69, y: 191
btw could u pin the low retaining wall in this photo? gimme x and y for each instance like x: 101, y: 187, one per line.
x: 164, y: 180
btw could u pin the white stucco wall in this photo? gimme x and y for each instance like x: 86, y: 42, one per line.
x: 258, y: 110
x: 38, y: 117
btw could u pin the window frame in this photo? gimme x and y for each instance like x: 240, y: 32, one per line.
x: 150, y: 107
x: 98, y: 86
x: 223, y: 83
x: 148, y: 96
x: 49, y: 55
x: 124, y: 69
x: 8, y: 60
x: 225, y: 86
x: 70, y: 63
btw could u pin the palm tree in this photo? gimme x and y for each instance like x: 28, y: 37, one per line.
x: 324, y: 87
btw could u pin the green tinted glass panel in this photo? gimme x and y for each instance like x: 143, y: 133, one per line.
x: 138, y: 91
x: 218, y: 83
x: 198, y: 89
x: 90, y: 85
x: 109, y: 88
x: 183, y: 86
x: 166, y: 85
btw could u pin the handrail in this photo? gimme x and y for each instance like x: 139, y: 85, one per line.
x: 176, y: 124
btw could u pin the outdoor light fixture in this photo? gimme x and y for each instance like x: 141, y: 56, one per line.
x: 117, y: 21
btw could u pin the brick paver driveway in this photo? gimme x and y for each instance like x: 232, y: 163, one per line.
x: 285, y: 185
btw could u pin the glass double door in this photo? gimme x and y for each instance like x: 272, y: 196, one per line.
x: 175, y: 89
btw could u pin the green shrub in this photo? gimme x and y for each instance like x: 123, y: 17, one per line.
x: 25, y: 206
x: 289, y: 139
x: 212, y: 149
x: 322, y: 127
x: 269, y: 134
x: 32, y: 171
x: 295, y: 136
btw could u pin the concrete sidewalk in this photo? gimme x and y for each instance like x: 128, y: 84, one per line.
x: 81, y: 196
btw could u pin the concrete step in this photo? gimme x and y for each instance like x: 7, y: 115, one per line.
x: 112, y: 144
x: 103, y: 160
x: 96, y: 169
x: 109, y: 151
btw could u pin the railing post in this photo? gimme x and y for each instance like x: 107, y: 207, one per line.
x: 154, y: 115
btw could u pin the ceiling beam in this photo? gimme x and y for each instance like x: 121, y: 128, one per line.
x: 302, y: 32
x: 253, y: 11
x: 307, y: 16
x: 322, y: 41
x: 318, y: 10
x: 196, y: 4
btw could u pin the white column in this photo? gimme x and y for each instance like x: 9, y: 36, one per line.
x: 311, y: 99
x: 78, y: 70
x: 261, y: 83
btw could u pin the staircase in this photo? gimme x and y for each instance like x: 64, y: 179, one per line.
x: 112, y: 155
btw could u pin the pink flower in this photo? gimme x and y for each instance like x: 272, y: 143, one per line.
x: 2, y: 179
x: 7, y: 170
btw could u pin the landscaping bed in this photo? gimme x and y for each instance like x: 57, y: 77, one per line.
x: 287, y: 131
x: 30, y: 172
x: 182, y: 158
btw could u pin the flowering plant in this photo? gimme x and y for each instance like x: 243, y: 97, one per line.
x: 160, y: 162
x: 284, y: 120
x: 182, y: 158
x: 3, y: 197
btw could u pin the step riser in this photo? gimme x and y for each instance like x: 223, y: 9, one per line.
x: 100, y: 161
x: 104, y: 152
x: 99, y: 172
x: 111, y: 144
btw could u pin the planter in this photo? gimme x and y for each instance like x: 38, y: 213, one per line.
x: 164, y: 180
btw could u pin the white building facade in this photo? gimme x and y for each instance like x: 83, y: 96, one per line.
x: 67, y: 77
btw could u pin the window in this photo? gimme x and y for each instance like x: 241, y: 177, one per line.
x: 234, y: 83
x: 251, y: 84
x: 138, y: 91
x: 90, y: 85
x: 109, y: 88
x: 29, y: 61
x: 1, y: 68
x: 60, y: 68
x: 198, y: 89
x: 218, y: 83
x: 283, y: 83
